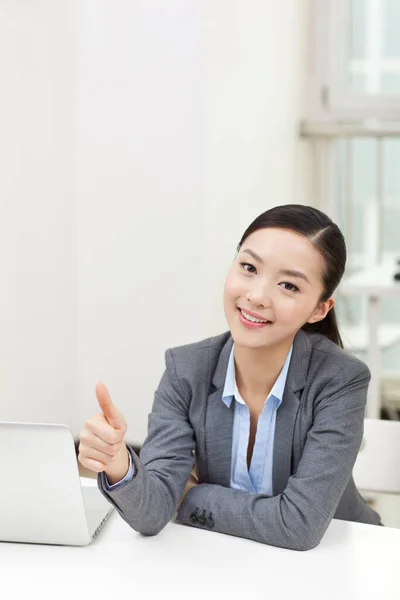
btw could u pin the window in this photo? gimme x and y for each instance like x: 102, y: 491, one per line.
x: 358, y: 58
x: 354, y: 126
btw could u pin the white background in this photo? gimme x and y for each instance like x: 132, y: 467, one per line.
x: 138, y: 141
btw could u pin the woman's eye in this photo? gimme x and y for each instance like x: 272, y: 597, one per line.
x: 248, y: 267
x: 290, y: 287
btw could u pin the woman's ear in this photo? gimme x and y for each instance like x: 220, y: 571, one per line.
x: 321, y: 311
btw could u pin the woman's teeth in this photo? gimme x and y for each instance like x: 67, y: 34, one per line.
x: 252, y: 319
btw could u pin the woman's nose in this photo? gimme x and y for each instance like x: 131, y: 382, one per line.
x: 259, y: 296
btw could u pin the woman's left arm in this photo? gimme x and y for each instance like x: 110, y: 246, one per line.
x: 299, y: 517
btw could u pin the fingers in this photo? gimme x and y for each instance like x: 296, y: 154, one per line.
x: 88, y: 453
x: 103, y: 435
x: 99, y: 444
x: 100, y: 427
x: 91, y: 440
x: 94, y: 453
x: 105, y: 402
x: 92, y: 465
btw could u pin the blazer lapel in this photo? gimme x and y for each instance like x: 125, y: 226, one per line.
x: 287, y: 412
x: 219, y: 424
x: 219, y: 418
x: 284, y: 429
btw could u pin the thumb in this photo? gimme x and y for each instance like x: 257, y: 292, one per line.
x: 112, y: 415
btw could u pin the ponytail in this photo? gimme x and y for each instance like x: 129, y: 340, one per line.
x: 327, y: 327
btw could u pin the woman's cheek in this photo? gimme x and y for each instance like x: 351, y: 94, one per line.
x: 232, y: 288
x: 289, y: 312
x: 228, y: 299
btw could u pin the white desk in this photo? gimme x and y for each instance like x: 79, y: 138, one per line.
x: 353, y: 562
x: 373, y: 283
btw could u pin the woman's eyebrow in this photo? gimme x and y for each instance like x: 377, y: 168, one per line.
x: 288, y: 272
x: 292, y: 273
x: 254, y: 255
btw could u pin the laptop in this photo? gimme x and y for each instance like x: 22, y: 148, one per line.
x: 42, y: 500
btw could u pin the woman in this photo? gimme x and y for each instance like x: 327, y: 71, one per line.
x: 270, y: 412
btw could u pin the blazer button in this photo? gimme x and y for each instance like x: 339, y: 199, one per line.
x: 194, y: 516
x: 202, y: 520
x: 210, y: 522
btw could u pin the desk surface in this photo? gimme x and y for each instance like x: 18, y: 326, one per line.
x: 353, y: 562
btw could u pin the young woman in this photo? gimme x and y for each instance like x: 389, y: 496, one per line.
x: 270, y: 413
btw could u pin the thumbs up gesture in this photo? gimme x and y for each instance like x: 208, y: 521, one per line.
x: 102, y: 446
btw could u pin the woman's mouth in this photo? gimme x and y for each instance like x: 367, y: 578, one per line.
x: 252, y: 322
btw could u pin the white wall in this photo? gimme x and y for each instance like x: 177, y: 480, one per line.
x: 185, y: 128
x: 38, y: 242
x: 255, y: 55
x: 141, y: 223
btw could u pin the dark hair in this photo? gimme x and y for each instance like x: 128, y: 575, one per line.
x: 326, y: 237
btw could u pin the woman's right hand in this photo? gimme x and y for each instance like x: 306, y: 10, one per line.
x: 102, y: 446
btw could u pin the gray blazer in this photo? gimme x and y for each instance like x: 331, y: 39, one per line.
x: 319, y: 428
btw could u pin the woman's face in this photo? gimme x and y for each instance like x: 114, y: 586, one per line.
x: 277, y: 278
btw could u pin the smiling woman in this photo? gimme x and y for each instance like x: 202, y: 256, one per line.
x: 270, y: 413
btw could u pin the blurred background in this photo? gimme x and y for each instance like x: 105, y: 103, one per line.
x: 140, y: 138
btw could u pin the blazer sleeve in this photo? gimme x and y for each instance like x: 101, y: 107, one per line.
x: 297, y: 518
x: 149, y: 500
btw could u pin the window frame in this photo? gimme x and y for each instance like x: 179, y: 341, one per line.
x: 332, y: 98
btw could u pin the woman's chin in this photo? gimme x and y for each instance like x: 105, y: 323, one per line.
x: 247, y: 340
